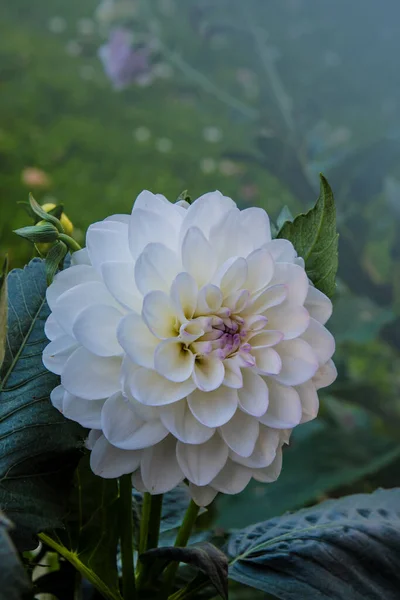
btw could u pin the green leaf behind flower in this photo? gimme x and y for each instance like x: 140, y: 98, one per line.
x: 38, y: 446
x: 14, y: 582
x: 3, y: 310
x: 346, y: 548
x: 315, y: 239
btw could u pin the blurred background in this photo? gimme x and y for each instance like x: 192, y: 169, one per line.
x: 101, y: 99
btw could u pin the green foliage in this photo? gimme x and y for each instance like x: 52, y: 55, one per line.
x: 89, y: 540
x: 3, y: 310
x: 54, y: 260
x: 38, y: 446
x: 14, y: 582
x: 315, y: 238
x: 346, y: 548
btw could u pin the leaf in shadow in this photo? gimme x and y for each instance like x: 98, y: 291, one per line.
x: 14, y: 583
x: 3, y: 310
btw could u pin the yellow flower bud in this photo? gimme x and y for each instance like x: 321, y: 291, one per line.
x: 64, y: 220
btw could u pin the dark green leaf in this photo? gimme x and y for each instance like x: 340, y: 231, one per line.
x: 41, y: 233
x: 346, y: 548
x: 54, y: 259
x: 342, y: 458
x: 3, y: 310
x: 45, y: 216
x: 206, y: 557
x: 14, y: 582
x: 314, y: 236
x: 90, y: 538
x: 38, y: 446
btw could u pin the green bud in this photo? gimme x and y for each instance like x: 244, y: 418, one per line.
x: 42, y: 232
x: 54, y: 260
x: 45, y: 216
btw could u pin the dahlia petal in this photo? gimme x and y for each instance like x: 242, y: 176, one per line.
x: 95, y: 328
x: 179, y: 420
x: 110, y: 462
x: 209, y: 299
x: 200, y: 463
x: 52, y: 329
x: 125, y: 429
x: 264, y: 450
x: 256, y: 224
x: 107, y: 241
x: 89, y: 376
x: 215, y: 408
x: 292, y: 322
x: 81, y: 257
x: 56, y: 354
x: 309, y: 401
x: 299, y: 362
x: 228, y: 237
x: 151, y: 389
x: 184, y: 295
x: 232, y: 479
x: 198, y: 213
x: 320, y: 340
x: 295, y: 279
x: 57, y: 397
x: 241, y: 433
x: 260, y: 268
x: 159, y: 314
x: 146, y: 227
x: 156, y: 268
x: 281, y: 250
x: 233, y: 374
x: 173, y: 360
x: 202, y: 495
x: 159, y: 467
x: 94, y: 435
x: 67, y: 279
x: 272, y: 296
x: 237, y: 301
x: 119, y: 278
x: 120, y: 218
x: 208, y: 373
x: 85, y: 412
x: 284, y: 410
x: 137, y: 482
x: 318, y: 305
x: 325, y: 375
x: 268, y: 361
x: 158, y: 204
x: 137, y: 340
x: 231, y: 276
x: 271, y: 473
x: 197, y: 256
x: 253, y: 397
x: 266, y: 339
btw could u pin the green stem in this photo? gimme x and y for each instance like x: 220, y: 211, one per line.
x: 71, y: 243
x: 126, y: 535
x: 149, y: 532
x: 144, y: 522
x: 181, y: 540
x: 154, y: 521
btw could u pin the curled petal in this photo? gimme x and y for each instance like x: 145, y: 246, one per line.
x: 215, y: 408
x: 253, y: 397
x: 152, y: 389
x: 89, y: 376
x: 137, y: 340
x: 202, y: 495
x: 299, y: 362
x: 110, y: 462
x: 241, y: 433
x: 201, y: 463
x: 208, y: 373
x: 155, y: 268
x: 284, y: 410
x: 179, y: 420
x: 96, y: 329
x: 159, y: 315
x: 159, y: 467
x: 174, y: 360
x: 232, y: 479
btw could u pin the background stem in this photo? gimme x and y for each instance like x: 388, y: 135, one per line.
x: 126, y: 533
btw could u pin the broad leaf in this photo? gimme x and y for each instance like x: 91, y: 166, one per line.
x: 3, y: 310
x: 313, y: 465
x: 38, y: 446
x: 14, y: 582
x: 346, y: 548
x: 315, y: 238
x: 90, y: 538
x: 206, y: 557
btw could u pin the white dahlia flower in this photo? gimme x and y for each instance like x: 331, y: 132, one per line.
x: 190, y: 343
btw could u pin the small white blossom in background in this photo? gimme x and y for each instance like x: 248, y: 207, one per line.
x: 73, y: 48
x: 208, y: 165
x: 57, y: 24
x: 190, y: 343
x: 142, y: 134
x: 164, y: 145
x: 213, y: 135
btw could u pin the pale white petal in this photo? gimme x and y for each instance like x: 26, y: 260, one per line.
x: 266, y: 339
x: 119, y: 278
x: 197, y: 256
x: 125, y: 429
x: 81, y: 257
x: 215, y: 408
x: 263, y: 301
x: 309, y: 401
x: 67, y: 279
x: 260, y: 268
x: 325, y: 375
x: 241, y: 433
x: 56, y: 354
x: 146, y: 227
x: 228, y: 237
x: 256, y: 224
x: 152, y: 389
x: 159, y: 467
x: 299, y: 362
x: 156, y: 268
x: 292, y: 321
x: 201, y: 463
x: 52, y: 329
x: 231, y: 275
x: 110, y: 462
x: 202, y: 495
x: 268, y: 361
x: 208, y: 373
x: 232, y: 479
x: 253, y: 397
x: 107, y: 241
x: 137, y: 340
x: 284, y: 410
x: 85, y: 412
x: 237, y: 301
x: 174, y: 360
x: 92, y: 438
x: 271, y: 473
x: 57, y: 397
x: 160, y: 315
x: 198, y: 214
x: 233, y: 374
x: 209, y: 299
x: 158, y: 204
x: 89, y: 376
x: 320, y: 340
x: 182, y: 424
x: 96, y: 329
x: 120, y: 218
x: 184, y: 296
x: 264, y: 450
x: 295, y: 279
x: 318, y: 305
x: 137, y: 482
x: 281, y: 250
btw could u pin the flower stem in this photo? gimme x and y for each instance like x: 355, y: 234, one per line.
x: 154, y: 521
x: 149, y: 532
x: 144, y: 522
x: 126, y: 535
x: 181, y: 540
x: 71, y: 243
